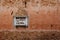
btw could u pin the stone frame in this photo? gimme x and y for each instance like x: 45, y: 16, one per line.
x: 25, y: 21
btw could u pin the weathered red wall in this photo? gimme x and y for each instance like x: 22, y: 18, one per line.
x: 45, y: 15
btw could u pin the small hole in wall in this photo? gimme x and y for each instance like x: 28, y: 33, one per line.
x: 51, y: 25
x: 53, y: 34
x: 11, y: 12
x: 10, y: 1
x: 37, y: 12
x: 25, y: 4
x: 37, y: 2
x: 21, y: 21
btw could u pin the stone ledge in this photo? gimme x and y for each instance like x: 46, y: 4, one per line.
x: 29, y: 35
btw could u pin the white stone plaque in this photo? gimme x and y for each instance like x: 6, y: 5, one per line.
x: 21, y: 21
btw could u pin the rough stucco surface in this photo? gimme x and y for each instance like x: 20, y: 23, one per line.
x: 29, y: 35
x: 43, y: 14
